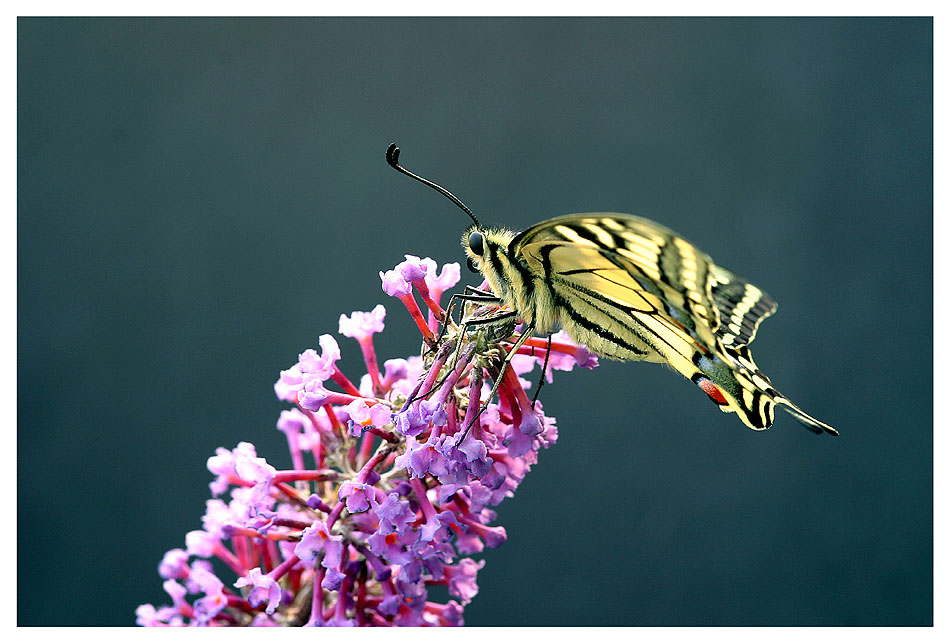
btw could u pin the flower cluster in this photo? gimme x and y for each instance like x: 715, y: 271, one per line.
x: 404, y: 471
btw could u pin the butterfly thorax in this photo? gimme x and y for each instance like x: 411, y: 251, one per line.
x: 511, y: 279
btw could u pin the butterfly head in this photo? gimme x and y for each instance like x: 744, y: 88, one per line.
x: 486, y: 251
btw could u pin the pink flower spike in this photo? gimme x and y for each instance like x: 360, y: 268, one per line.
x: 367, y: 531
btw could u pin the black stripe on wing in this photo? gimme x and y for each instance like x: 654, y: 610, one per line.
x: 741, y: 305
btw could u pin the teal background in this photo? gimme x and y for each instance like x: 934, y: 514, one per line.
x: 199, y: 199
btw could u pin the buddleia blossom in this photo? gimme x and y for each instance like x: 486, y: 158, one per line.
x: 393, y: 480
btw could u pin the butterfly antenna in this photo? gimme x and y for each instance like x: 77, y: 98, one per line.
x: 392, y: 157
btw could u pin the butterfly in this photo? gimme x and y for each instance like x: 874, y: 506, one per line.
x: 631, y: 289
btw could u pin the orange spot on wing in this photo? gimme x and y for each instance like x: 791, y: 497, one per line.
x: 714, y: 393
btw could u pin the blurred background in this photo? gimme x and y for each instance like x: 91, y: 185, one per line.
x: 200, y: 199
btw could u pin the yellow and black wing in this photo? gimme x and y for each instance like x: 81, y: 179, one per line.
x: 631, y: 289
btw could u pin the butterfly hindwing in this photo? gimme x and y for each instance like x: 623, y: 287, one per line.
x: 741, y: 305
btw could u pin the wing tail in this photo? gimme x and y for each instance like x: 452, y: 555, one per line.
x: 810, y: 423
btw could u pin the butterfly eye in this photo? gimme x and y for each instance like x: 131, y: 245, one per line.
x: 476, y: 243
x: 471, y: 265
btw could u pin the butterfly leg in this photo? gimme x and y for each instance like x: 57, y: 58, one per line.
x: 471, y: 294
x: 493, y: 319
x: 526, y: 332
x: 544, y: 370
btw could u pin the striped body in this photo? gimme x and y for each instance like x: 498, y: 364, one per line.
x: 633, y: 290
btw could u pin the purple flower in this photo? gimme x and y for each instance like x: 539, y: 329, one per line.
x: 313, y: 395
x: 437, y: 527
x: 412, y: 269
x: 391, y: 481
x: 438, y: 284
x: 322, y: 365
x: 357, y: 495
x: 363, y: 416
x: 317, y: 538
x: 461, y: 579
x: 214, y: 600
x: 423, y: 458
x: 360, y: 324
x: 448, y: 615
x: 263, y: 589
x: 174, y: 564
x: 394, y: 546
x: 469, y: 458
x: 176, y: 591
x: 394, y: 514
x: 333, y: 580
x: 394, y: 284
x: 292, y: 422
x: 253, y: 469
x: 200, y: 543
x: 147, y: 616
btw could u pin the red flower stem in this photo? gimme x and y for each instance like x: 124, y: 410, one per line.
x: 344, y: 382
x: 342, y: 399
x: 342, y: 594
x: 426, y: 385
x: 289, y: 522
x: 334, y: 420
x: 296, y: 456
x: 278, y: 572
x: 366, y: 445
x: 430, y: 303
x: 267, y: 561
x: 382, y: 433
x: 239, y: 603
x: 294, y: 577
x: 409, y: 301
x: 363, y: 475
x: 334, y: 514
x: 316, y: 449
x: 316, y: 609
x: 427, y: 509
x: 372, y: 366
x: 361, y: 592
x: 291, y: 493
x: 253, y: 533
x: 229, y: 559
x: 472, y: 416
x: 292, y: 475
x: 557, y: 347
x: 449, y: 385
